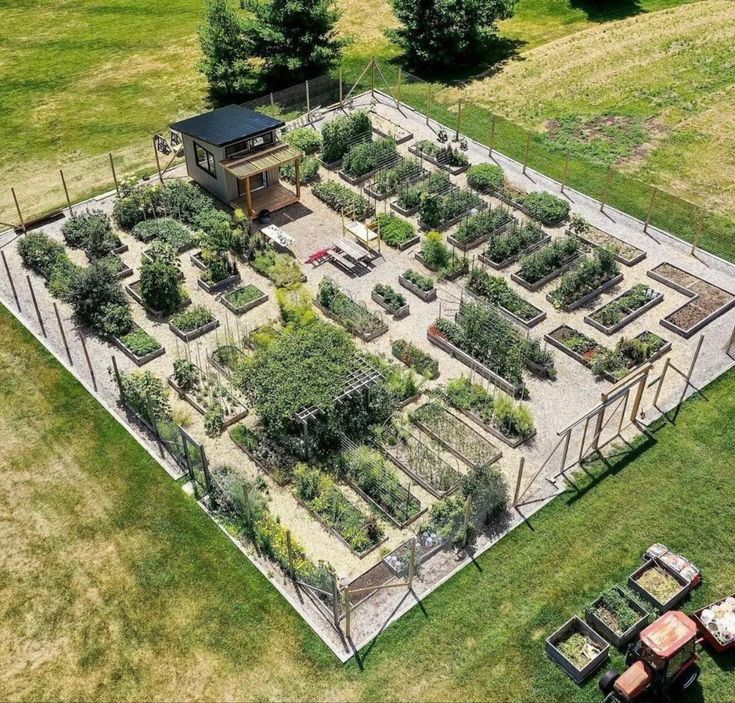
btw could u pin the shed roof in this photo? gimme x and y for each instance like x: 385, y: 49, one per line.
x: 226, y: 125
x: 252, y: 164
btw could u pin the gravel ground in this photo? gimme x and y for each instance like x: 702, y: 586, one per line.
x: 555, y: 405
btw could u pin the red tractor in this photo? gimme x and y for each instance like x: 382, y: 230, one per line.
x: 662, y: 662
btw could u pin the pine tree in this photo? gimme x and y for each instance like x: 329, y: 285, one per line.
x: 297, y: 38
x: 444, y: 33
x: 227, y: 43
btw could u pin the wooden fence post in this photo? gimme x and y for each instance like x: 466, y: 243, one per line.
x: 118, y: 380
x: 412, y: 563
x: 10, y: 278
x: 650, y: 210
x: 372, y: 76
x: 698, y: 227
x: 667, y: 362
x: 606, y: 188
x: 565, y: 174
x: 341, y: 88
x: 348, y: 614
x: 63, y: 335
x: 528, y: 149
x: 17, y: 209
x: 459, y: 120
x: 519, y: 480
x: 466, y: 526
x: 398, y: 90
x: 599, y: 422
x: 35, y: 305
x: 335, y: 600
x: 492, y: 135
x: 289, y: 550
x: 89, y: 362
x: 114, y: 175
x: 695, y: 358
x: 428, y: 101
x: 308, y: 101
x: 66, y: 192
x: 158, y: 161
x: 639, y: 396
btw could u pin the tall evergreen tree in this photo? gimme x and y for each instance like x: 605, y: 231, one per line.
x: 297, y: 39
x: 444, y: 33
x: 227, y: 43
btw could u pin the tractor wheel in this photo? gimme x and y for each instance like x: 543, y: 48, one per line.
x: 688, y: 678
x: 607, y: 681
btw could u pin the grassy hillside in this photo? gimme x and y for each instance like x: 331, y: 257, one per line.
x: 115, y: 586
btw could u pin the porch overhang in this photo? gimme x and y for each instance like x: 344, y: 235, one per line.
x: 254, y: 164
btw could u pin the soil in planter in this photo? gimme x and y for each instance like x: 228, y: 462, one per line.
x: 614, y: 610
x: 579, y: 343
x: 660, y: 584
x: 579, y: 650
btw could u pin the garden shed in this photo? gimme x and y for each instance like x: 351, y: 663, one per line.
x: 234, y: 153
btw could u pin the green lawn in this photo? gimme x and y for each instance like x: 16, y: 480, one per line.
x: 114, y: 585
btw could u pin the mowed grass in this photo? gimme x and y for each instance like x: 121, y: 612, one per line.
x: 115, y: 586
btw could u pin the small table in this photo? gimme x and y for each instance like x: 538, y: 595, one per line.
x: 278, y: 236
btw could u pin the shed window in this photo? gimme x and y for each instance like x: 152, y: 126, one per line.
x: 248, y: 144
x: 205, y: 160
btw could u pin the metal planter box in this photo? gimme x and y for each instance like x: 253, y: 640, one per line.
x: 608, y: 633
x: 579, y: 302
x: 633, y: 315
x: 213, y: 288
x: 546, y: 279
x: 399, y: 314
x: 674, y: 600
x: 194, y: 334
x: 138, y: 360
x: 426, y: 295
x: 498, y: 266
x: 243, y: 308
x: 567, y: 629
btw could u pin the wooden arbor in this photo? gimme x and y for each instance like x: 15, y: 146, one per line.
x: 273, y: 196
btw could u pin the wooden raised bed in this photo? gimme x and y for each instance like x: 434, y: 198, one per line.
x: 132, y: 290
x: 357, y: 180
x: 213, y: 288
x: 196, y: 259
x: 512, y: 443
x: 540, y: 315
x: 420, y: 176
x: 675, y: 599
x: 611, y: 283
x: 618, y: 640
x: 383, y: 129
x: 597, y: 238
x: 427, y: 296
x: 276, y: 476
x: 231, y: 420
x: 473, y: 244
x: 553, y: 339
x: 243, y: 308
x: 403, y: 211
x: 703, y: 306
x: 364, y: 337
x: 451, y: 277
x: 224, y: 370
x: 454, y: 220
x: 399, y: 314
x: 471, y: 362
x: 194, y: 334
x: 376, y: 506
x: 627, y: 319
x: 138, y: 360
x: 453, y: 170
x: 573, y: 625
x: 512, y: 259
x: 570, y: 263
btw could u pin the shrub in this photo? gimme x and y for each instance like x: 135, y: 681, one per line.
x: 368, y: 156
x: 446, y: 519
x: 160, y: 287
x: 63, y: 276
x: 487, y: 491
x: 590, y: 274
x: 83, y: 228
x: 184, y: 374
x: 280, y: 268
x: 391, y: 297
x: 394, y: 231
x: 306, y: 139
x: 164, y: 229
x: 41, y: 253
x: 160, y: 251
x: 513, y: 241
x: 546, y: 207
x: 415, y: 358
x: 192, y: 319
x: 136, y: 204
x: 339, y: 135
x: 308, y: 171
x: 146, y: 394
x: 218, y: 229
x: 437, y: 256
x: 183, y: 200
x: 99, y: 301
x: 340, y: 198
x: 214, y: 419
x: 483, y: 177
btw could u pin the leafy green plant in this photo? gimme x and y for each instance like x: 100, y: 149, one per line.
x: 410, y: 197
x: 160, y: 286
x: 84, y: 228
x: 545, y: 207
x: 487, y: 492
x: 483, y: 224
x: 273, y: 457
x: 240, y: 297
x: 214, y: 419
x: 513, y: 241
x: 139, y: 342
x: 339, y: 135
x: 41, y: 253
x: 612, y: 313
x: 184, y: 374
x: 342, y: 199
x: 166, y: 230
x: 589, y: 275
x: 497, y: 291
x: 368, y: 156
x: 391, y: 297
x: 415, y: 358
x: 484, y: 177
x: 182, y: 200
x: 352, y: 315
x: 423, y: 283
x: 389, y: 180
x: 305, y: 139
x: 308, y: 171
x: 146, y: 394
x: 436, y: 209
x: 548, y: 259
x: 613, y: 608
x: 437, y: 256
x: 394, y: 231
x: 192, y: 319
x: 282, y: 269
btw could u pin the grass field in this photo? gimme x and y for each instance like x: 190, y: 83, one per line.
x: 115, y: 586
x: 81, y: 78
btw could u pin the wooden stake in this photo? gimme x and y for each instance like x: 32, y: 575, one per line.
x: 528, y: 149
x: 341, y: 88
x: 698, y: 227
x: 600, y: 422
x: 63, y: 335
x: 459, y: 120
x: 650, y: 209
x: 35, y: 305
x: 492, y: 135
x: 565, y: 174
x: 694, y: 358
x: 297, y: 167
x: 412, y: 563
x: 335, y: 600
x: 89, y: 363
x: 606, y: 188
x: 308, y: 101
x: 428, y: 101
x: 158, y: 161
x: 289, y: 549
x: 114, y: 175
x: 273, y: 104
x: 372, y: 76
x: 118, y: 380
x: 10, y: 278
x: 519, y: 480
x: 17, y: 209
x: 667, y: 363
x: 348, y: 614
x: 398, y: 89
x: 639, y: 396
x: 66, y: 192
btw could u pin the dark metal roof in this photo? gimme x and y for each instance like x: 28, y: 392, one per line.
x: 226, y: 125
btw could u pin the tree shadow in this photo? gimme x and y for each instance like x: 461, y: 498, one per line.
x: 606, y: 11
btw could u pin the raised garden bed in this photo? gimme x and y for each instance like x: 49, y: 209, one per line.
x: 206, y: 389
x: 477, y: 229
x: 280, y: 269
x: 366, y: 159
x: 226, y: 357
x: 415, y: 358
x: 351, y: 315
x: 213, y: 288
x: 193, y: 323
x: 242, y: 299
x: 394, y: 231
x: 409, y: 198
x: 374, y: 332
x: 625, y: 253
x: 416, y: 283
x: 455, y: 214
x: 455, y: 435
x: 357, y: 180
x: 659, y: 584
x: 121, y: 269
x: 625, y: 357
x: 401, y: 175
x: 496, y: 291
x: 391, y: 301
x: 133, y: 290
x: 417, y: 459
x: 707, y: 303
x: 269, y: 457
x: 617, y: 617
x: 587, y: 297
x: 387, y: 129
x: 197, y: 259
x: 579, y: 346
x: 517, y: 241
x: 447, y: 158
x: 577, y: 649
x: 613, y: 316
x: 567, y: 263
x: 460, y: 268
x: 139, y: 346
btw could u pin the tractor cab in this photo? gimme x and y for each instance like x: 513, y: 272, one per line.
x: 663, y: 660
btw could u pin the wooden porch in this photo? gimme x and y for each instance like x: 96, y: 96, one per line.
x: 275, y: 197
